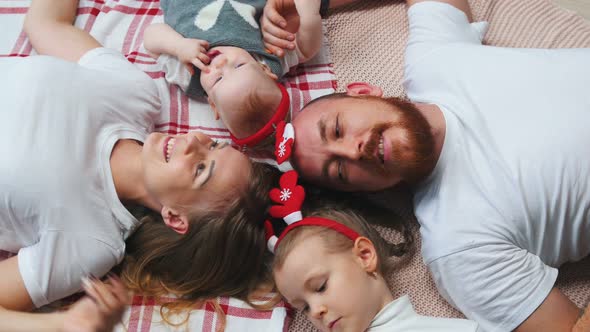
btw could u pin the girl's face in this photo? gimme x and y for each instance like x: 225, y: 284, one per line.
x: 181, y: 171
x: 334, y: 290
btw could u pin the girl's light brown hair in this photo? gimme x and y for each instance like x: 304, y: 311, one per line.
x: 222, y: 254
x: 334, y: 241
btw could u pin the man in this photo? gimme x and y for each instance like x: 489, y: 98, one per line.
x: 495, y: 148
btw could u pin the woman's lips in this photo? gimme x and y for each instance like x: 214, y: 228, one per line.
x: 165, y: 148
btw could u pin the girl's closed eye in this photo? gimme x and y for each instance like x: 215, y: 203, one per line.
x: 305, y: 309
x: 322, y: 287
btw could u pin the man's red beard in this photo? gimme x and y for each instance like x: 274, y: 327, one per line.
x: 414, y: 160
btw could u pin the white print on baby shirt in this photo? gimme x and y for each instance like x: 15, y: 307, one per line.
x: 207, y: 17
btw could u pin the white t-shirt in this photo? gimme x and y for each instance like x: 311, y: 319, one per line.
x: 58, y: 204
x: 508, y: 200
x: 399, y: 316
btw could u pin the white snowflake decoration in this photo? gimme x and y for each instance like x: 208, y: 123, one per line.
x: 285, y: 194
x: 282, y: 149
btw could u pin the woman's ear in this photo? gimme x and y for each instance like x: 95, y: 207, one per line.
x: 356, y: 89
x: 178, y: 222
x: 366, y: 254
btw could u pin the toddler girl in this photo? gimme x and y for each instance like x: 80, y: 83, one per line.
x: 331, y: 265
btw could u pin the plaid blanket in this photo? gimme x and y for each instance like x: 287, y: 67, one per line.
x: 120, y: 25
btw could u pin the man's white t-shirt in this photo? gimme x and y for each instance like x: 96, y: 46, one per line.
x: 508, y: 200
x: 399, y: 316
x: 58, y: 204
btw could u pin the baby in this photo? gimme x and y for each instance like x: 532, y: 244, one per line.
x: 331, y: 265
x: 214, y: 49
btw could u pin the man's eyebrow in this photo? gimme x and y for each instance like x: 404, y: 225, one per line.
x: 322, y: 129
x: 211, y: 168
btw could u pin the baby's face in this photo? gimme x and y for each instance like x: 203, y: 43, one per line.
x: 227, y: 64
x: 332, y: 289
x: 233, y: 75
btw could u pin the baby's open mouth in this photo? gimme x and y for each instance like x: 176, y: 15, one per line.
x: 213, y: 54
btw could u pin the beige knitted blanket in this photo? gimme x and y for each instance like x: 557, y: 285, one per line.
x: 367, y: 41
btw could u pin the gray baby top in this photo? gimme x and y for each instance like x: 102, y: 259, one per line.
x: 221, y: 23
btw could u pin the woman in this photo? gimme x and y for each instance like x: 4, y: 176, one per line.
x: 76, y: 147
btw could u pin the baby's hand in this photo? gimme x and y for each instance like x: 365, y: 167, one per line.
x: 193, y: 52
x: 100, y: 310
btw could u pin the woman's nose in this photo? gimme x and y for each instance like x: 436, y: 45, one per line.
x: 197, y: 142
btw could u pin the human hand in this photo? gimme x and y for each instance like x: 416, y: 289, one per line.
x: 279, y: 23
x: 193, y: 52
x: 100, y: 310
x: 308, y: 8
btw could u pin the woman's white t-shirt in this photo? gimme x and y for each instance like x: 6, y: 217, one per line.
x: 58, y: 205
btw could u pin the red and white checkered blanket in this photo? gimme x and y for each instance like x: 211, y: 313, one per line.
x: 120, y: 25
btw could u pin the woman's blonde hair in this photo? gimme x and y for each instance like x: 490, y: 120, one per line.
x: 222, y: 254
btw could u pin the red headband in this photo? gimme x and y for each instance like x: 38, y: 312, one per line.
x: 269, y: 127
x: 317, y: 221
x: 290, y: 198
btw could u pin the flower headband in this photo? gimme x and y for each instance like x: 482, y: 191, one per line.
x: 269, y: 127
x: 289, y: 199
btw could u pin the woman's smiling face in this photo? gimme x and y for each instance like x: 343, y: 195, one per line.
x: 181, y: 171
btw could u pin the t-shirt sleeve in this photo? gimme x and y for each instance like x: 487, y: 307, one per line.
x: 433, y: 24
x: 53, y: 268
x: 118, y: 85
x: 499, y: 286
x: 175, y: 71
x: 107, y: 59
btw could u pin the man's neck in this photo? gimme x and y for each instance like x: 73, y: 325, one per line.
x: 435, y: 118
x: 127, y: 171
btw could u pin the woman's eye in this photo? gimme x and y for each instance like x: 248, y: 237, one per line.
x: 213, y: 145
x: 200, y: 169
